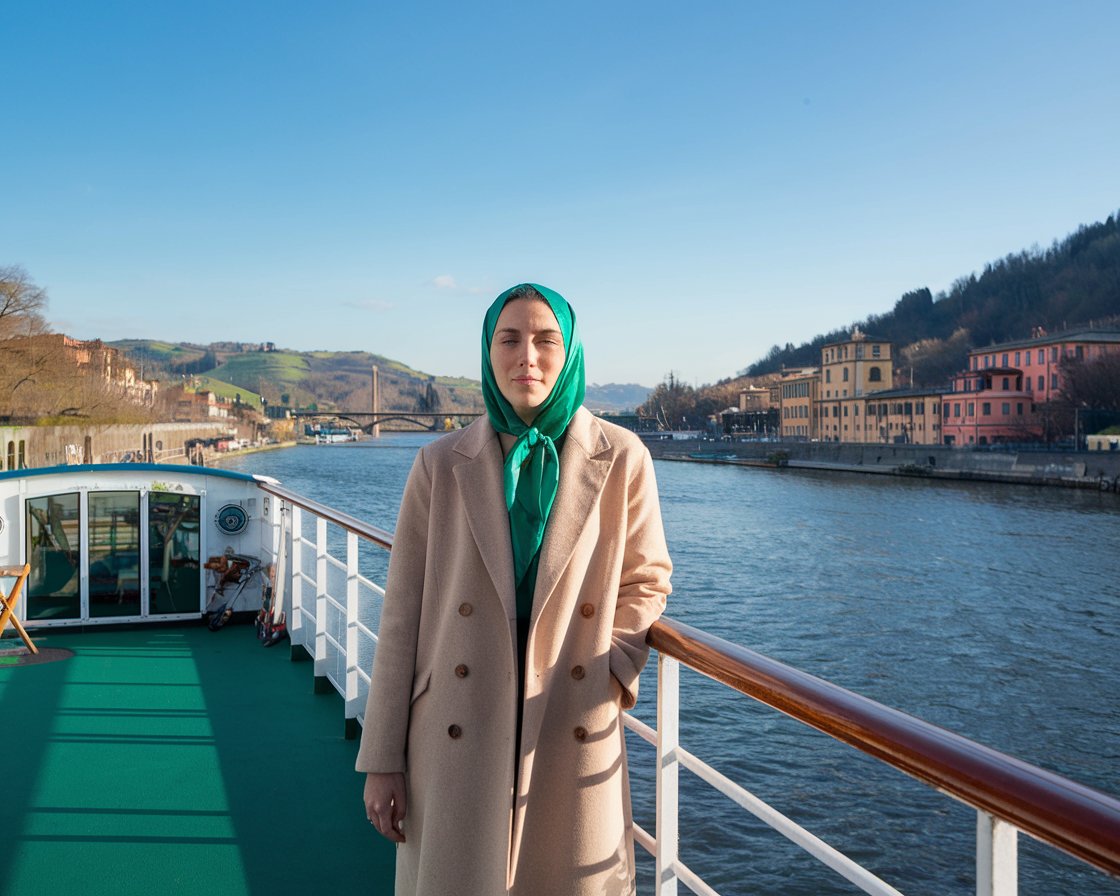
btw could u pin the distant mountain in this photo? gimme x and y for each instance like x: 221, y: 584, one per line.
x: 1074, y: 283
x: 615, y: 396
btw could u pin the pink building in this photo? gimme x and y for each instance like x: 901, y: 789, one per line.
x: 996, y: 399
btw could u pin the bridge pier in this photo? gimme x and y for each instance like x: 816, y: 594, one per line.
x: 376, y: 429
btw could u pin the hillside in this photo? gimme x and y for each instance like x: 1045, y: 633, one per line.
x: 324, y: 380
x: 1076, y: 282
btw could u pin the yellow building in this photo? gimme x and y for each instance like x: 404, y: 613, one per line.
x: 905, y: 416
x: 799, y: 392
x: 850, y: 371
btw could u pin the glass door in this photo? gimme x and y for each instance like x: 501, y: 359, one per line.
x: 174, y: 550
x: 114, y: 554
x: 53, y: 532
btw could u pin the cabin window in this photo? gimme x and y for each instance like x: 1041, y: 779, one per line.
x: 114, y: 554
x: 174, y: 551
x: 53, y: 533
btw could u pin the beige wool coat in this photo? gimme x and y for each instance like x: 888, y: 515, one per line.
x: 442, y: 702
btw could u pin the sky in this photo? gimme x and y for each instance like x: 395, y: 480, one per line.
x: 701, y: 181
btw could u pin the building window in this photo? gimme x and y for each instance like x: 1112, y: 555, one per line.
x: 1041, y: 383
x: 1005, y: 359
x: 1042, y: 356
x: 1053, y: 353
x: 956, y: 409
x: 971, y: 409
x: 1017, y: 362
x: 875, y: 351
x: 1019, y: 408
x: 875, y: 375
x: 1007, y: 409
x: 845, y: 376
x: 1053, y: 381
x: 1006, y: 383
x: 986, y: 408
x: 828, y: 376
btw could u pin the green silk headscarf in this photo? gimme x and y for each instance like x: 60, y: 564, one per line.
x: 532, y: 468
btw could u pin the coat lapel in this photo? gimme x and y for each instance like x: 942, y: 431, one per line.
x: 482, y: 492
x: 583, y: 469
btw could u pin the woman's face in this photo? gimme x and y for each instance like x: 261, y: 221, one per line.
x: 527, y: 354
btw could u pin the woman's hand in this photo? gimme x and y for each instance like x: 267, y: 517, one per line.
x: 386, y: 803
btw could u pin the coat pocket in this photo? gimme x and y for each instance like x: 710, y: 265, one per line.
x: 419, y: 687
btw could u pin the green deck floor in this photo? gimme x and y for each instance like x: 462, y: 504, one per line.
x: 178, y: 760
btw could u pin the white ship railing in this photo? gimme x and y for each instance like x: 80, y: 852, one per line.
x: 334, y: 610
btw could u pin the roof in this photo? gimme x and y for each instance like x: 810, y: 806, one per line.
x: 1105, y: 336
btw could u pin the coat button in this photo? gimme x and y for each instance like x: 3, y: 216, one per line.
x: 462, y: 671
x: 577, y: 672
x: 580, y: 733
x: 455, y: 732
x: 465, y: 609
x: 587, y: 610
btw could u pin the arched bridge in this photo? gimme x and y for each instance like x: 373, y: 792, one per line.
x: 366, y: 420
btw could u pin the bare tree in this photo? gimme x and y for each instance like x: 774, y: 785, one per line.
x: 22, y: 304
x: 1093, y: 384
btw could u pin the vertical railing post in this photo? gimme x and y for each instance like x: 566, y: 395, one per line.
x: 295, y: 613
x: 351, y: 639
x: 668, y: 768
x: 322, y: 662
x: 997, y: 856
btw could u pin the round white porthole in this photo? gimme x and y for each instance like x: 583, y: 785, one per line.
x: 232, y: 518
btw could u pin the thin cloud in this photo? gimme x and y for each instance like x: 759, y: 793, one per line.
x: 376, y: 306
x: 447, y: 281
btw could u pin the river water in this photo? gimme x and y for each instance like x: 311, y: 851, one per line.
x: 991, y: 610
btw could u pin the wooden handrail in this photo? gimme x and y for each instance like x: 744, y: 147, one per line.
x: 1067, y: 815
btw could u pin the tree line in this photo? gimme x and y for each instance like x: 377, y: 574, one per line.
x: 1075, y: 282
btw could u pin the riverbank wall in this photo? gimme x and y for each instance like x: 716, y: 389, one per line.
x: 49, y: 446
x: 1098, y: 470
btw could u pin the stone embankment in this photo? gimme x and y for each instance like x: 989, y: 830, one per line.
x: 1098, y: 470
x: 48, y: 446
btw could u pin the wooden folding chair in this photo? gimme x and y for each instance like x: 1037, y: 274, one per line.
x: 8, y: 602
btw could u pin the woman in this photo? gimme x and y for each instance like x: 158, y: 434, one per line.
x: 528, y: 564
